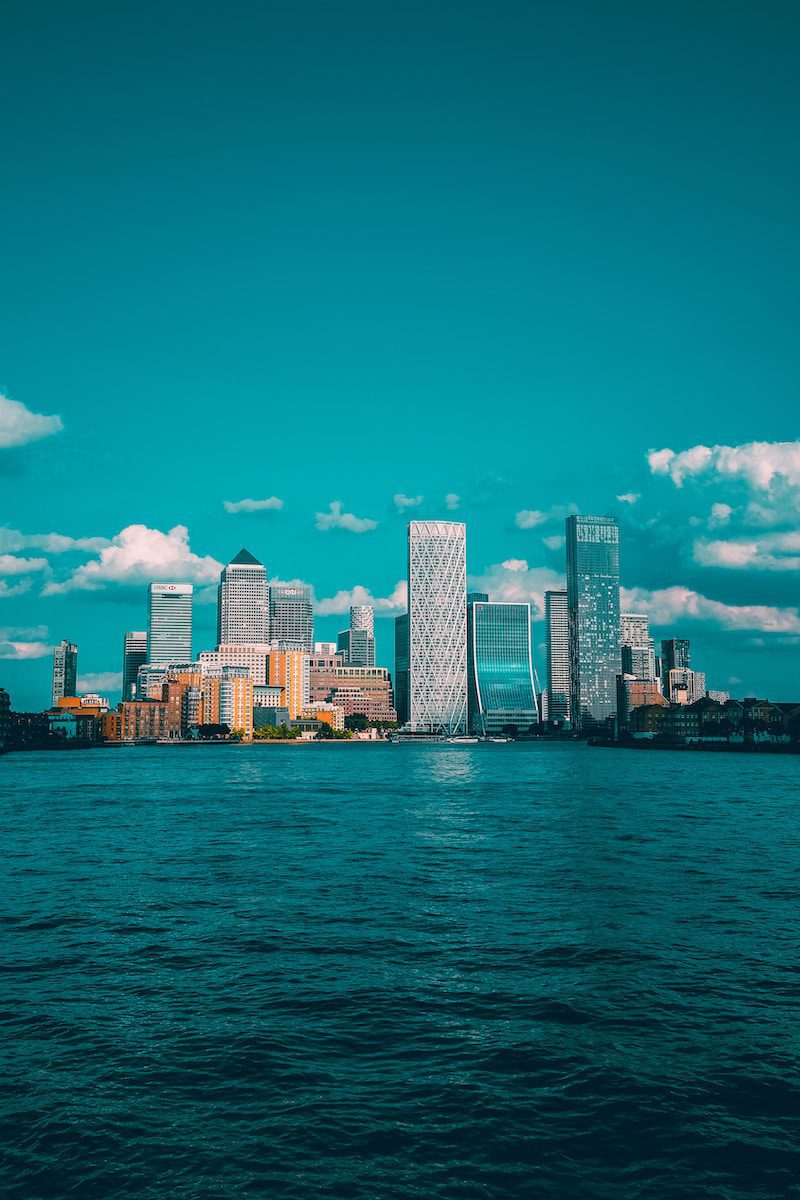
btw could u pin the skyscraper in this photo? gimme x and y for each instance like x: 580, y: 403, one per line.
x: 594, y: 626
x: 362, y: 616
x: 500, y: 666
x: 291, y: 616
x: 437, y: 618
x: 357, y: 643
x: 557, y: 623
x: 134, y: 656
x: 638, y: 656
x: 675, y: 655
x: 401, y: 667
x: 170, y: 630
x: 243, y: 601
x: 65, y: 670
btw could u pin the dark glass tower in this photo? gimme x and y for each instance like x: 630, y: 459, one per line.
x: 594, y: 619
x: 500, y: 689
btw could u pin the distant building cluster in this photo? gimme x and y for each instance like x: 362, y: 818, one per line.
x: 463, y: 663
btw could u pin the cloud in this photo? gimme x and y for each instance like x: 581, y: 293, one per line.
x: 665, y: 606
x: 452, y: 501
x: 720, y: 515
x: 251, y: 506
x: 531, y: 518
x: 759, y: 464
x: 15, y: 646
x: 555, y: 542
x: 773, y: 552
x: 14, y: 589
x: 629, y: 497
x: 18, y: 425
x: 402, y: 502
x: 336, y: 519
x: 100, y: 681
x: 387, y: 606
x: 141, y: 555
x: 52, y: 543
x: 515, y: 580
x: 10, y: 565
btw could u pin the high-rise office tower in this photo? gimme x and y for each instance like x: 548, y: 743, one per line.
x: 401, y: 667
x: 637, y: 653
x: 291, y: 617
x: 170, y: 631
x: 675, y: 656
x: 501, y: 691
x: 557, y: 624
x: 134, y: 656
x: 437, y: 633
x: 243, y: 601
x: 65, y: 670
x: 362, y: 616
x: 594, y: 626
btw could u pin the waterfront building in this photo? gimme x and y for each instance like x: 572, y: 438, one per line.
x: 5, y: 718
x: 675, y: 654
x: 326, y: 714
x: 170, y: 629
x: 594, y: 624
x: 366, y: 690
x: 134, y: 655
x: 401, y: 667
x: 501, y: 691
x: 685, y: 686
x: 291, y: 617
x: 139, y: 720
x: 437, y: 634
x: 151, y: 677
x: 65, y: 670
x: 633, y: 693
x: 251, y: 655
x: 236, y: 701
x: 289, y: 670
x: 243, y: 601
x: 557, y: 640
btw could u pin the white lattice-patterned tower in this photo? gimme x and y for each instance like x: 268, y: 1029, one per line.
x: 437, y: 608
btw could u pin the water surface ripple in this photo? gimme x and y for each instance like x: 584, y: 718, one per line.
x: 404, y: 972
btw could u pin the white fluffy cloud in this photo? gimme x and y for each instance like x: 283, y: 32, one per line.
x: 531, y: 518
x: 251, y: 506
x: 772, y: 552
x: 141, y: 555
x: 14, y: 589
x: 759, y: 464
x: 11, y: 565
x: 336, y: 519
x: 24, y: 643
x: 629, y: 497
x: 51, y: 543
x: 665, y: 606
x: 515, y: 580
x: 452, y: 501
x: 100, y: 681
x: 403, y: 502
x: 720, y: 515
x: 18, y: 425
x: 385, y: 606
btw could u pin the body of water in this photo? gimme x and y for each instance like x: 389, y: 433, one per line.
x: 411, y: 972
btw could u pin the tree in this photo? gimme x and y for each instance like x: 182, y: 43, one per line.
x: 510, y: 730
x: 206, y: 732
x: 357, y: 721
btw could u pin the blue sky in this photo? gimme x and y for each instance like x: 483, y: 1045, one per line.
x: 339, y: 253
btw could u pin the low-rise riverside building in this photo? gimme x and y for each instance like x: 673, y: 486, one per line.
x: 366, y: 690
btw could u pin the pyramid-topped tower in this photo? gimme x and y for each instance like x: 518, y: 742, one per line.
x: 243, y: 601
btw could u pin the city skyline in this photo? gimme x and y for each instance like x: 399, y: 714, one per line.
x: 262, y: 261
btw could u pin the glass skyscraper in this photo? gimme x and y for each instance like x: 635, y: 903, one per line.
x: 134, y: 656
x: 594, y: 619
x: 65, y: 670
x: 170, y: 630
x: 291, y: 617
x: 401, y: 667
x: 437, y: 621
x: 243, y: 603
x: 500, y: 665
x: 557, y: 623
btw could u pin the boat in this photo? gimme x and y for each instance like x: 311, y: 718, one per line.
x: 463, y: 740
x: 498, y: 740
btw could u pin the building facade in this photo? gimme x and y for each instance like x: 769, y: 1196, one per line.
x: 170, y: 628
x: 243, y: 602
x: 401, y: 667
x: 366, y: 690
x: 291, y: 617
x: 134, y: 655
x: 253, y: 656
x: 65, y: 670
x: 437, y: 621
x: 594, y: 619
x: 557, y: 640
x: 501, y: 691
x: 289, y: 670
x: 637, y: 651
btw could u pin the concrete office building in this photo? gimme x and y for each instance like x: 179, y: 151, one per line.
x: 170, y: 629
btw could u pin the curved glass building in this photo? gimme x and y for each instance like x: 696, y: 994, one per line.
x: 501, y: 689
